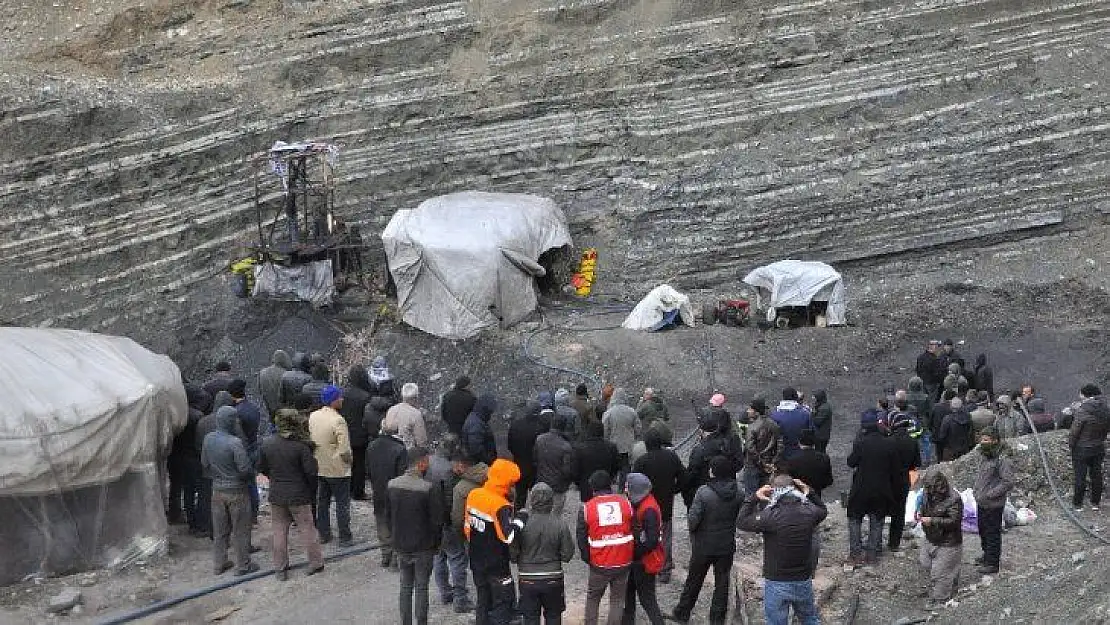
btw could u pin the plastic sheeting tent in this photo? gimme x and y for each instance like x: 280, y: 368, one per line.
x: 468, y: 261
x: 797, y: 283
x: 661, y: 307
x: 85, y: 425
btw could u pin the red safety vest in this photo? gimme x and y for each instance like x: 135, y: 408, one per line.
x: 653, y: 560
x: 609, y: 531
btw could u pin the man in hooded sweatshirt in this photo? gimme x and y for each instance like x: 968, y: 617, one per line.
x: 356, y: 396
x: 333, y: 456
x: 822, y: 419
x: 566, y: 417
x: 521, y: 440
x: 649, y: 554
x: 477, y: 436
x: 543, y: 546
x: 992, y: 485
x: 787, y: 517
x: 386, y: 459
x: 875, y: 461
x: 457, y: 405
x: 490, y: 526
x: 294, y: 379
x: 622, y: 428
x: 269, y: 380
x: 606, y: 543
x: 223, y: 457
x: 712, y: 520
x: 555, y: 464
x: 793, y: 418
x: 940, y: 512
x: 1087, y: 441
x: 407, y: 419
x: 287, y: 460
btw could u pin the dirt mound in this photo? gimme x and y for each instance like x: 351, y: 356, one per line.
x: 1031, y: 486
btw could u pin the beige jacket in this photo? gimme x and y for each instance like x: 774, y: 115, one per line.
x: 409, y: 422
x: 333, y: 445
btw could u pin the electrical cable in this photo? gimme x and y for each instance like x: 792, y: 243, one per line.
x: 166, y: 604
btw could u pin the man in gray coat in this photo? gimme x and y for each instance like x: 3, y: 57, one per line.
x: 269, y: 381
x: 622, y: 428
x: 224, y: 460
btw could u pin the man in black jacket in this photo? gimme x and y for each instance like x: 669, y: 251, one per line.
x: 477, y: 436
x: 416, y: 516
x: 712, y: 521
x: 555, y: 465
x: 356, y: 395
x: 523, y: 432
x: 875, y: 461
x: 184, y: 465
x: 822, y: 420
x: 908, y: 455
x: 385, y: 459
x: 457, y: 404
x: 931, y: 369
x: 293, y: 380
x: 811, y: 466
x: 787, y: 519
x: 718, y: 441
x: 287, y: 460
x: 594, y: 454
x: 1087, y: 441
x: 664, y: 469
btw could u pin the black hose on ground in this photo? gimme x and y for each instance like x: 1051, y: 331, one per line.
x: 166, y: 604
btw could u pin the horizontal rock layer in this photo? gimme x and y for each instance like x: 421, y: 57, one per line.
x: 688, y: 140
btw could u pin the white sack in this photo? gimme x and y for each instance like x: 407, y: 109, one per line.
x: 650, y: 311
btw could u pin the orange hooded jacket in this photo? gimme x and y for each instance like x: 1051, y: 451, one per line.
x: 490, y: 525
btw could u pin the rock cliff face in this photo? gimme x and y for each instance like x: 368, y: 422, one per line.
x: 687, y: 139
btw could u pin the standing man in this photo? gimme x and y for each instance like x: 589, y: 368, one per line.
x: 221, y: 380
x: 521, y: 440
x: 333, y: 455
x: 457, y: 404
x: 250, y: 421
x: 293, y: 380
x: 651, y: 408
x: 649, y: 555
x: 555, y: 465
x: 586, y: 409
x: 607, y: 546
x: 908, y: 454
x: 763, y: 449
x: 712, y: 521
x: 788, y: 518
x: 449, y: 565
x: 793, y: 418
x: 663, y: 468
x: 544, y: 545
x: 591, y: 455
x: 269, y: 381
x: 416, y: 516
x: 941, y: 512
x: 287, y: 460
x: 992, y: 485
x: 407, y: 419
x: 356, y: 396
x: 385, y: 459
x: 490, y: 527
x: 822, y: 420
x: 477, y: 435
x: 930, y: 369
x: 224, y: 459
x: 622, y: 428
x: 811, y: 466
x: 875, y: 462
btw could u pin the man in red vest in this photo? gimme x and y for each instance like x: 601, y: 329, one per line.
x: 606, y: 544
x: 650, y: 554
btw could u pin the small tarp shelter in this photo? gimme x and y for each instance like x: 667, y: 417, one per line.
x: 85, y: 426
x: 797, y: 283
x: 660, y: 308
x: 468, y: 261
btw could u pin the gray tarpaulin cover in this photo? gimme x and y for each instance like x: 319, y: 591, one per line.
x: 797, y: 283
x: 311, y: 282
x: 81, y: 409
x: 464, y: 260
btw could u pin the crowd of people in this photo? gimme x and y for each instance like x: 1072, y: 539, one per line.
x: 450, y: 502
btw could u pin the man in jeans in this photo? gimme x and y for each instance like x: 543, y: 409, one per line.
x: 783, y: 512
x: 449, y: 568
x: 224, y: 460
x: 1087, y: 440
x: 416, y: 511
x: 333, y: 455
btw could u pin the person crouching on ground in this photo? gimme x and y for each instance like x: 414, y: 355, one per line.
x: 288, y: 462
x: 940, y: 513
x: 650, y: 554
x: 992, y: 485
x: 416, y: 516
x: 607, y: 546
x: 787, y: 516
x: 544, y: 545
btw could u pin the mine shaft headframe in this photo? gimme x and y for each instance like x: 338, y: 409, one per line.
x: 306, y: 171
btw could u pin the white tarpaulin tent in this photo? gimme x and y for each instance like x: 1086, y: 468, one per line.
x: 652, y: 311
x: 85, y: 426
x: 467, y: 261
x: 797, y: 283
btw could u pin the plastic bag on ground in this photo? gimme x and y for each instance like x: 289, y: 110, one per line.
x: 1025, y: 516
x: 971, y: 516
x: 1009, y: 515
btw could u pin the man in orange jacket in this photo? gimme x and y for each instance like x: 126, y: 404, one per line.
x: 490, y: 527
